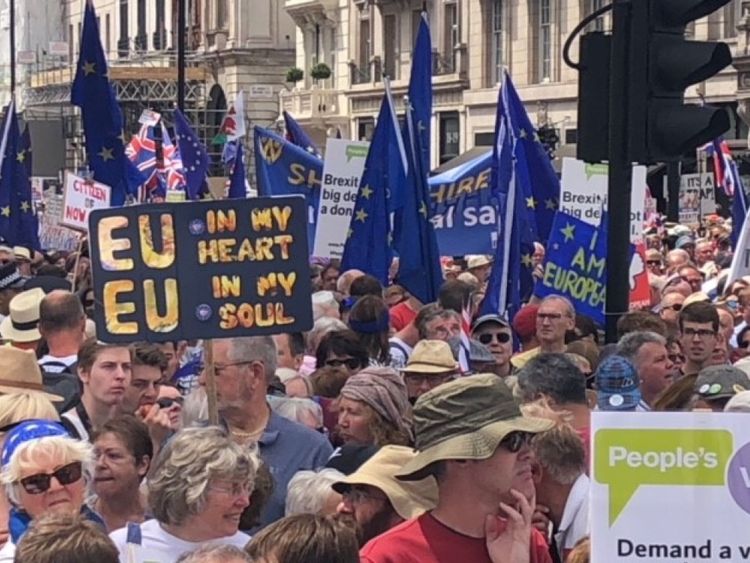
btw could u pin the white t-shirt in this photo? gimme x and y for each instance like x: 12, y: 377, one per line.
x: 157, y: 546
x: 8, y: 552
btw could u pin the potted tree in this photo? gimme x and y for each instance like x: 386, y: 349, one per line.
x: 294, y: 75
x: 320, y: 71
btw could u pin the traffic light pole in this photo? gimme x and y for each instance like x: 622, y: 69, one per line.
x: 620, y: 172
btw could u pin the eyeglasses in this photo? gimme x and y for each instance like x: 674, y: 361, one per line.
x: 677, y: 307
x: 421, y: 378
x: 676, y: 358
x: 222, y: 367
x: 501, y: 337
x: 351, y: 363
x: 40, y: 483
x: 702, y: 332
x: 166, y: 402
x: 514, y: 441
x: 235, y: 489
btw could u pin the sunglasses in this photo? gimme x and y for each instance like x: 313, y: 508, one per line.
x: 676, y: 358
x: 653, y: 262
x: 743, y: 344
x: 40, y: 483
x: 166, y: 402
x: 501, y: 337
x: 676, y: 307
x: 351, y: 363
x: 514, y: 441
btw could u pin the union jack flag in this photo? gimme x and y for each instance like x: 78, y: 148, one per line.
x: 465, y: 346
x: 162, y: 174
x: 725, y: 169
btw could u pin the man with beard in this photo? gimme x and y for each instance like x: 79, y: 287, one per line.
x: 699, y: 329
x: 648, y: 353
x: 472, y: 438
x: 376, y: 501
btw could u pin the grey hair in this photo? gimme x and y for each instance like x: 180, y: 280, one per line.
x: 254, y: 348
x: 215, y: 554
x: 322, y: 326
x: 178, y: 487
x: 554, y: 376
x: 631, y: 343
x: 62, y: 449
x: 308, y: 491
x: 322, y: 301
x: 562, y: 299
x: 294, y: 407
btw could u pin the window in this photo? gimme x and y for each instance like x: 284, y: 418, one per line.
x: 390, y: 46
x: 221, y: 14
x: 544, y: 45
x: 107, y: 36
x: 141, y: 38
x: 591, y: 7
x: 730, y: 19
x: 365, y: 128
x: 160, y: 30
x: 451, y: 35
x: 497, y: 40
x: 123, y: 46
x: 365, y: 42
x: 450, y: 136
x: 71, y: 42
x: 486, y: 139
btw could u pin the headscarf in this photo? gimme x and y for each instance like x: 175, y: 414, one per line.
x: 384, y: 391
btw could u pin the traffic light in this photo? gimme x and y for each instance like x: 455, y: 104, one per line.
x: 662, y: 64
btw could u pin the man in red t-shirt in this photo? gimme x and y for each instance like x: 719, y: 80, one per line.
x: 471, y: 436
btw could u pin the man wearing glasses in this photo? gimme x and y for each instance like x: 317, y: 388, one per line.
x: 431, y: 364
x: 555, y: 317
x: 494, y: 332
x: 699, y: 327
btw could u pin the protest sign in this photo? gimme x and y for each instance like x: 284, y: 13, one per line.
x: 342, y: 171
x: 670, y: 487
x: 697, y: 197
x: 52, y: 235
x: 575, y: 265
x: 80, y: 197
x: 584, y: 195
x: 464, y: 214
x: 209, y: 269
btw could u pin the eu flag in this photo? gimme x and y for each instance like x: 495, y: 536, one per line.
x: 194, y: 157
x: 419, y: 260
x: 296, y: 135
x: 25, y: 151
x: 18, y: 221
x: 511, y: 281
x: 533, y: 168
x: 368, y: 243
x: 102, y: 119
x: 237, y: 188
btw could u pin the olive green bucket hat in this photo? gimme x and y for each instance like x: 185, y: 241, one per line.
x: 465, y: 419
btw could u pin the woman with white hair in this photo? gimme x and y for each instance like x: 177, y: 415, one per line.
x: 199, y: 488
x: 311, y: 492
x: 44, y: 471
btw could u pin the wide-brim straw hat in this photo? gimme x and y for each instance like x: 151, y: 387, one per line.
x: 465, y: 419
x: 431, y: 356
x: 20, y: 373
x: 22, y: 324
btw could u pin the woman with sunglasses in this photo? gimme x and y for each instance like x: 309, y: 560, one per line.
x: 44, y: 471
x: 123, y: 451
x: 341, y: 348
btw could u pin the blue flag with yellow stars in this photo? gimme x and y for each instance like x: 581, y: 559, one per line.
x: 533, y: 167
x: 296, y: 135
x: 369, y: 239
x: 101, y: 115
x: 24, y: 151
x: 576, y: 265
x: 237, y: 187
x: 283, y: 168
x: 18, y: 221
x: 194, y: 157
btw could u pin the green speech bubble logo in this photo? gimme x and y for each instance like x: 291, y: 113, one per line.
x: 596, y: 170
x: 627, y: 459
x: 355, y: 151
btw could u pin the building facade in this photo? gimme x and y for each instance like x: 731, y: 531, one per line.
x: 473, y: 41
x: 232, y: 45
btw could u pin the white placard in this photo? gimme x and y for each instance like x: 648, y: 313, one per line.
x: 26, y: 57
x: 58, y: 48
x: 260, y: 91
x: 697, y: 197
x: 80, y: 197
x: 670, y: 487
x: 52, y: 235
x: 149, y: 117
x: 342, y: 171
x: 584, y: 194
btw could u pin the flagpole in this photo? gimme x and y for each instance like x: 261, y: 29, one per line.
x: 12, y: 8
x: 181, y: 24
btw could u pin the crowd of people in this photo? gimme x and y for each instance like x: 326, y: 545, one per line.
x: 364, y: 439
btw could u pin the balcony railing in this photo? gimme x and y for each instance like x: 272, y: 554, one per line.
x: 360, y: 75
x: 311, y: 104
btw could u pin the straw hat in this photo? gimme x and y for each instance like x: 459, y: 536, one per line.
x: 431, y: 356
x: 20, y: 373
x: 409, y: 499
x: 22, y: 325
x: 22, y: 253
x: 477, y: 261
x: 465, y: 419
